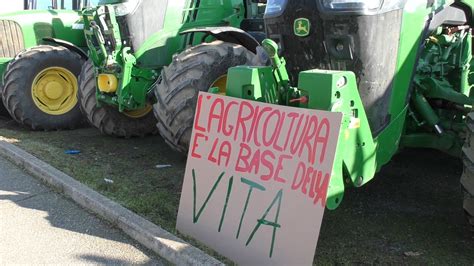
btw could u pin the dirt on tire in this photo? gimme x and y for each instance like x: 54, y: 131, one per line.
x: 108, y: 119
x: 192, y: 71
x: 18, y: 81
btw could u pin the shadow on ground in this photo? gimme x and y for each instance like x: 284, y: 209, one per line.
x: 411, y: 213
x: 20, y: 192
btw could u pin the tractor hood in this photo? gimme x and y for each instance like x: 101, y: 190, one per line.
x: 311, y: 37
x: 23, y: 29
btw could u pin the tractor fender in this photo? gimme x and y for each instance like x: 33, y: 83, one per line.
x: 68, y: 45
x: 229, y: 34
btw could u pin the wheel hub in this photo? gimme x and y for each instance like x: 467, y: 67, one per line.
x: 54, y: 90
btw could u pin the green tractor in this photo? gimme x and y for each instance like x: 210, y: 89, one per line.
x: 42, y: 50
x: 400, y: 71
x: 131, y: 41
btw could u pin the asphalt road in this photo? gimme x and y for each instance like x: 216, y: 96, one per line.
x: 39, y: 226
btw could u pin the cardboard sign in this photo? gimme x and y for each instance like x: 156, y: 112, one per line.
x: 256, y: 179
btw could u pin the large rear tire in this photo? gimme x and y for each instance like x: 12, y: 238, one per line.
x: 108, y: 119
x: 40, y: 88
x: 196, y: 69
x: 467, y: 178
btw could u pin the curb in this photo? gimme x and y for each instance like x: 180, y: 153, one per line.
x: 162, y: 242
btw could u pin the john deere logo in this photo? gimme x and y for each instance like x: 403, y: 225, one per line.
x: 302, y: 27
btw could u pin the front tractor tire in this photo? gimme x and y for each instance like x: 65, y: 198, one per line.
x: 196, y: 69
x: 40, y: 88
x: 108, y: 119
x: 467, y: 178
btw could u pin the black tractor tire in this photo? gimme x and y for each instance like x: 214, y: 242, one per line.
x: 192, y: 71
x: 108, y: 119
x: 467, y: 178
x: 3, y: 110
x: 18, y: 81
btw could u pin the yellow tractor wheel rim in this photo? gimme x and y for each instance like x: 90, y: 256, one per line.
x: 221, y: 83
x: 54, y: 90
x: 139, y: 113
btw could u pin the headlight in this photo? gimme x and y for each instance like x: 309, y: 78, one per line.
x: 352, y: 4
x: 126, y: 8
x: 275, y: 7
x: 361, y: 6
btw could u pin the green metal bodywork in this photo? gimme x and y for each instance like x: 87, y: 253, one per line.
x: 49, y: 23
x: 39, y: 24
x: 431, y: 96
x: 136, y: 71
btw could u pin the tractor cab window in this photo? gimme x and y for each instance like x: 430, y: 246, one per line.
x: 127, y: 7
x: 59, y: 4
x: 93, y: 2
x: 275, y: 7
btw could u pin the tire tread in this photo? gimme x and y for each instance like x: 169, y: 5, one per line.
x: 191, y: 71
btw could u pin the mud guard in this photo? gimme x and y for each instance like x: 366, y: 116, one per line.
x: 69, y: 46
x: 229, y: 34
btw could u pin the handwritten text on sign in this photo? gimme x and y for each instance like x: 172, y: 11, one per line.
x: 256, y: 179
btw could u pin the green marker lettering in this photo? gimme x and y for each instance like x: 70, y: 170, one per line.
x: 229, y: 190
x: 252, y: 186
x: 196, y: 217
x: 274, y: 224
